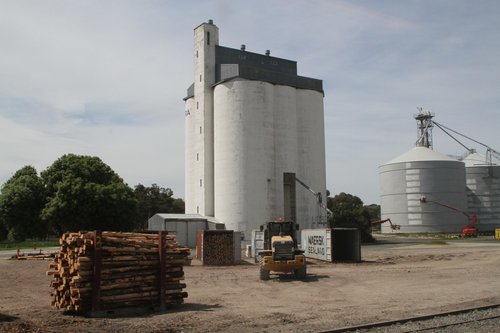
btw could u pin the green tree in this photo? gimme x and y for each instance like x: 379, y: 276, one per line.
x: 178, y: 206
x: 3, y: 231
x: 84, y: 193
x: 373, y: 211
x: 21, y: 201
x: 349, y: 212
x: 155, y: 199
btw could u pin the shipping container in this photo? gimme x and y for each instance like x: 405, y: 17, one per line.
x: 337, y: 244
x: 317, y: 243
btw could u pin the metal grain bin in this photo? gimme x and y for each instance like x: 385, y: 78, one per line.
x: 422, y: 172
x: 483, y: 191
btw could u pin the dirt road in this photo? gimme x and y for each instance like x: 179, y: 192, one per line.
x: 395, y: 280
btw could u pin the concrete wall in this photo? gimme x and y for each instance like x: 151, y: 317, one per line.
x: 261, y: 131
x: 193, y: 147
x: 199, y: 124
x: 311, y: 156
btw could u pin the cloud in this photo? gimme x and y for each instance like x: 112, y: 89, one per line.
x: 144, y: 153
x: 24, y: 145
x: 94, y: 78
x: 107, y: 78
x: 66, y: 54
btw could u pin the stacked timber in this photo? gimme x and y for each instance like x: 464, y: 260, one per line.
x: 101, y: 271
x: 217, y: 247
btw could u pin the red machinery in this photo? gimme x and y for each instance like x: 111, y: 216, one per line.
x: 470, y: 229
x: 393, y: 226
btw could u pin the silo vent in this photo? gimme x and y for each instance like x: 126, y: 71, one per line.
x: 210, y: 21
x: 268, y: 52
x: 242, y: 47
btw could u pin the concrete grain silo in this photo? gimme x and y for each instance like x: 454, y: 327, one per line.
x: 423, y: 172
x: 483, y: 190
x: 249, y: 119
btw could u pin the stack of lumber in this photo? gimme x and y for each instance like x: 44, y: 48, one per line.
x: 100, y: 271
x: 217, y: 247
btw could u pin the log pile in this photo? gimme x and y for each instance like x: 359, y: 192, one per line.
x: 217, y: 247
x: 101, y: 271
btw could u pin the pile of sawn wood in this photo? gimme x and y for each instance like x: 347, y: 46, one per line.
x: 100, y: 271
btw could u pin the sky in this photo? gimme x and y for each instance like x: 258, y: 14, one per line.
x: 106, y: 78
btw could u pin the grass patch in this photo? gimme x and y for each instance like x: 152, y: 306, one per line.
x: 423, y: 235
x: 29, y: 244
x: 438, y: 242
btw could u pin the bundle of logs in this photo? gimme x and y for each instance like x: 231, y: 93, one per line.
x: 217, y: 247
x: 103, y: 271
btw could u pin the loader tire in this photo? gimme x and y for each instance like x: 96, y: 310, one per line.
x: 264, y: 273
x: 301, y: 273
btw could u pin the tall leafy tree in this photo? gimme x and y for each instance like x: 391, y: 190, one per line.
x: 84, y: 193
x: 3, y: 231
x: 21, y: 200
x: 373, y: 211
x: 349, y: 212
x: 155, y: 199
x: 178, y: 206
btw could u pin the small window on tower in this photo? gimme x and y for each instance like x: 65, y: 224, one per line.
x: 208, y: 37
x: 200, y: 129
x: 201, y: 182
x: 196, y: 54
x: 197, y: 156
x: 197, y: 105
x: 200, y: 77
x: 198, y: 209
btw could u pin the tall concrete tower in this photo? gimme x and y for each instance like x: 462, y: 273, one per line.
x: 250, y: 119
x: 199, y: 158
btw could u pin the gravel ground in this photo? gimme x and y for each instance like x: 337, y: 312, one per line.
x: 477, y: 321
x: 398, y: 278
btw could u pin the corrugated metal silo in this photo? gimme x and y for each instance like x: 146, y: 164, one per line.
x: 423, y: 172
x: 483, y: 191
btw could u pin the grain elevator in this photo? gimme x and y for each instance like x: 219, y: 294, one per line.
x: 423, y: 172
x: 249, y: 119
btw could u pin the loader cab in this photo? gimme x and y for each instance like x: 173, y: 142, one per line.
x: 279, y: 228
